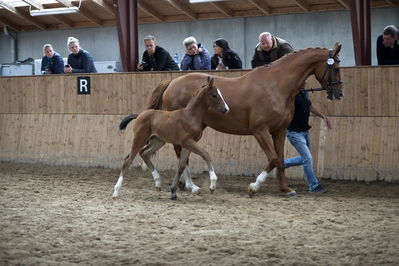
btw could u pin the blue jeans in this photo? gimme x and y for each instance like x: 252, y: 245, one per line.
x: 300, y: 141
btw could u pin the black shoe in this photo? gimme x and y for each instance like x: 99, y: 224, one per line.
x: 318, y: 190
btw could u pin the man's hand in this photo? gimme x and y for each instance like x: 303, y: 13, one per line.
x: 140, y: 67
x: 68, y: 69
x: 327, y: 122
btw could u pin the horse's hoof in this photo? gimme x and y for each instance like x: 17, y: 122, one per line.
x: 173, y: 198
x: 182, y: 186
x: 291, y: 193
x: 195, y: 190
x: 115, y: 195
x: 211, y: 190
x: 251, y: 191
x: 158, y: 189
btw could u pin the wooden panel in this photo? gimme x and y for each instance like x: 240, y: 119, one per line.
x: 42, y: 119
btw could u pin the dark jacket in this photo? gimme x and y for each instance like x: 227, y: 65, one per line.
x: 200, y: 61
x: 82, y: 62
x: 300, y: 121
x: 387, y: 55
x: 160, y: 60
x: 230, y: 60
x: 55, y: 64
x: 280, y: 48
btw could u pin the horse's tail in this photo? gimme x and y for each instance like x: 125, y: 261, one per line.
x: 155, y: 101
x: 127, y: 120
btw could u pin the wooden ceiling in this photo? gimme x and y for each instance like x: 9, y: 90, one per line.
x: 96, y: 13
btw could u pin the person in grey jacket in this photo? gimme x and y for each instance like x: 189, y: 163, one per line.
x: 196, y: 57
x: 79, y: 61
x: 269, y: 49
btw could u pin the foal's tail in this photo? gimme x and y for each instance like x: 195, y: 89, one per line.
x: 127, y: 120
x: 155, y: 102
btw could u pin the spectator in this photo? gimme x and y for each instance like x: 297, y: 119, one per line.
x: 52, y: 62
x: 298, y: 135
x: 269, y: 49
x: 79, y: 61
x: 196, y: 57
x: 155, y: 57
x: 224, y: 57
x: 388, y: 46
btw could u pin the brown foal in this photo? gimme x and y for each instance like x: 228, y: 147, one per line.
x: 153, y: 128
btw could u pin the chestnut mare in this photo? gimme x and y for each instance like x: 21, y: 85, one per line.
x: 153, y: 128
x: 261, y: 101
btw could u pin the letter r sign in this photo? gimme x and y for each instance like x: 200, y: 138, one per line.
x: 83, y: 85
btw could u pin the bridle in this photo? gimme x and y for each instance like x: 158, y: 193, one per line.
x: 329, y: 71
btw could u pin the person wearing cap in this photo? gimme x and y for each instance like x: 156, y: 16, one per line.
x: 52, y: 62
x: 79, y: 61
x: 224, y: 57
x: 269, y: 49
x: 388, y: 46
x: 196, y: 57
x: 155, y: 57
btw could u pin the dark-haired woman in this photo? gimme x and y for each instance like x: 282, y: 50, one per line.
x: 224, y: 57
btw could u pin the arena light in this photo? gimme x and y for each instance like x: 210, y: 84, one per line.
x: 54, y: 11
x: 204, y: 1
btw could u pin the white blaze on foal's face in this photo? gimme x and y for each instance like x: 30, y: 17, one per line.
x: 225, y: 104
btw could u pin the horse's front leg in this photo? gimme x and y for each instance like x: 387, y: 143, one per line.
x: 188, y: 183
x: 152, y: 146
x: 279, y: 140
x: 180, y: 168
x: 265, y: 140
x: 193, y: 147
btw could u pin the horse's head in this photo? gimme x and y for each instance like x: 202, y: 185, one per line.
x: 328, y: 74
x: 214, y: 98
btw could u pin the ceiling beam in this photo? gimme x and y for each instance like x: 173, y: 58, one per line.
x: 344, y: 3
x: 183, y: 8
x: 61, y: 19
x: 149, y: 10
x: 9, y: 8
x: 106, y: 6
x: 223, y: 9
x: 262, y: 6
x: 303, y: 4
x: 82, y: 12
x: 391, y: 3
x: 10, y: 24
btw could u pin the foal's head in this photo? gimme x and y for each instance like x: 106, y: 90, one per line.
x: 213, y: 97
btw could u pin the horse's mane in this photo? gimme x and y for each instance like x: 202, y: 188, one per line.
x: 289, y: 55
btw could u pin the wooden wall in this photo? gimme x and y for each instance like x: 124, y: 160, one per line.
x: 42, y: 119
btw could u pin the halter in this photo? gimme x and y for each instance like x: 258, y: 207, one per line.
x: 330, y: 70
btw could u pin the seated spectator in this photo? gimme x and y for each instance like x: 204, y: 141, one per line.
x: 52, y: 62
x: 224, y: 57
x: 269, y: 49
x: 196, y: 57
x: 388, y: 46
x: 155, y: 57
x: 79, y: 61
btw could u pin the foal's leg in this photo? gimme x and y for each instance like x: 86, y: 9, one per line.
x: 266, y: 142
x: 279, y: 140
x: 139, y: 140
x: 193, y: 147
x: 180, y: 168
x: 152, y: 146
x: 188, y: 182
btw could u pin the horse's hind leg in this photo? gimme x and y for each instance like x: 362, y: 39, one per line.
x: 180, y: 168
x: 152, y: 146
x: 139, y: 141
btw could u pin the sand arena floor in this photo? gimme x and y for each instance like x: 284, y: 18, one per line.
x: 66, y: 216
